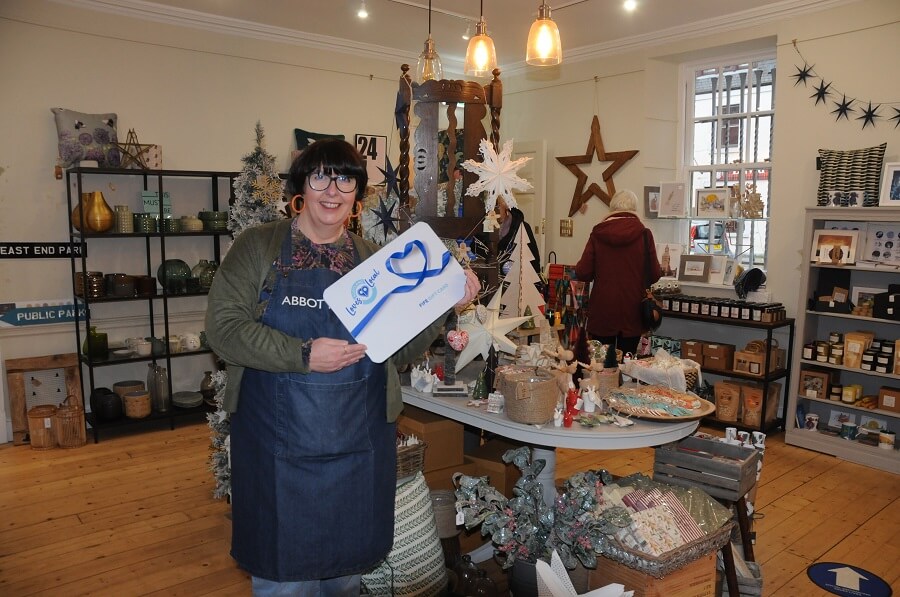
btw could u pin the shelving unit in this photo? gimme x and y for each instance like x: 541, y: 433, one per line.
x: 817, y: 325
x: 142, y: 253
x: 765, y: 380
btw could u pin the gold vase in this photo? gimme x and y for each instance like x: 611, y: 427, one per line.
x: 98, y: 215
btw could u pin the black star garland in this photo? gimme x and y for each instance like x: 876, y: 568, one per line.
x: 802, y: 74
x: 896, y: 117
x: 822, y: 92
x: 390, y: 178
x: 869, y: 115
x: 843, y: 108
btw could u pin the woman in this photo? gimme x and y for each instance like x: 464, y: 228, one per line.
x: 614, y: 259
x: 313, y: 435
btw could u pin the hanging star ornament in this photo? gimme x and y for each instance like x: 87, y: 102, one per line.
x: 496, y: 175
x: 822, y: 92
x: 802, y: 74
x: 385, y: 217
x: 390, y: 178
x: 595, y: 147
x: 896, y: 117
x: 491, y: 332
x: 843, y: 108
x: 869, y: 115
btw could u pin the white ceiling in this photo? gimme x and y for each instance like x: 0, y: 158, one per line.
x: 396, y: 29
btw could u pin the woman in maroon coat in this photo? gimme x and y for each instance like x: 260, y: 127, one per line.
x: 614, y: 260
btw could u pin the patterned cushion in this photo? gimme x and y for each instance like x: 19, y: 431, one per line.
x: 86, y: 137
x: 415, y: 565
x: 851, y: 170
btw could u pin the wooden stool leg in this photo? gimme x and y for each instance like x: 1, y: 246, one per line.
x: 730, y: 573
x: 744, y: 525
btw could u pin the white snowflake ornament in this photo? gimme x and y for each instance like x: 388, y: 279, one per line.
x: 496, y: 175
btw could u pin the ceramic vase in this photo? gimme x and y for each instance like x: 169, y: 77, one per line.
x: 94, y: 213
x: 206, y: 277
x: 173, y: 275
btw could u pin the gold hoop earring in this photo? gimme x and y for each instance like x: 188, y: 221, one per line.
x: 294, y: 203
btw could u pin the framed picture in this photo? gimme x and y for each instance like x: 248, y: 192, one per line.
x: 694, y: 268
x: 672, y: 200
x: 711, y: 203
x: 814, y: 384
x: 838, y: 417
x: 717, y: 265
x: 890, y: 185
x: 861, y: 294
x: 651, y: 202
x: 882, y: 243
x: 669, y: 255
x: 837, y: 247
x: 730, y: 269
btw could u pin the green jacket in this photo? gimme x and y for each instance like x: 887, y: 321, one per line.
x: 236, y: 335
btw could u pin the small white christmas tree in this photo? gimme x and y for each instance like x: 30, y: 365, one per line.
x: 521, y: 291
x: 258, y: 191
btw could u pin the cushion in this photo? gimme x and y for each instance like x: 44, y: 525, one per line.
x: 415, y: 564
x: 851, y: 170
x: 87, y: 137
x: 304, y: 138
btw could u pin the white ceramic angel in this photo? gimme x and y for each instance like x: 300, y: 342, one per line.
x: 589, y: 398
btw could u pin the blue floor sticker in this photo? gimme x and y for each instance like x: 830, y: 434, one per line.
x: 844, y: 579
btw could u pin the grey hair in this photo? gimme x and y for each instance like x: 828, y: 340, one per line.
x: 623, y: 201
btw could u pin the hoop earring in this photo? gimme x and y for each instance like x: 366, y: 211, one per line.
x: 357, y: 212
x: 294, y: 203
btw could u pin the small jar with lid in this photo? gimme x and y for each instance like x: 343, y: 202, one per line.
x: 835, y: 392
x: 835, y: 337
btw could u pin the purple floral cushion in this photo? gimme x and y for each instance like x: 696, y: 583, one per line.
x: 87, y: 137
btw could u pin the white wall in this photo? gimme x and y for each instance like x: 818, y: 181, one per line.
x: 199, y: 94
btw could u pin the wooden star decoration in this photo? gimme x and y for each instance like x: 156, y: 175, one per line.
x: 843, y: 108
x: 134, y: 153
x: 802, y: 74
x: 595, y: 147
x: 822, y: 92
x: 869, y: 115
x: 896, y: 117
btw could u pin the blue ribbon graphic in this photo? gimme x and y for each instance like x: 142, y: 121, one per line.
x: 417, y: 277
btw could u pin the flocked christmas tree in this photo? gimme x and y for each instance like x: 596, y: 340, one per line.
x: 258, y: 191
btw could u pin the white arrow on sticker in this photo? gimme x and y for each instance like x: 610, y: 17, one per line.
x: 847, y: 578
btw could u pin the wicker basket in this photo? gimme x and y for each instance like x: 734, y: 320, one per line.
x: 41, y: 427
x: 410, y: 459
x: 529, y: 397
x: 605, y: 381
x: 137, y: 404
x: 660, y: 566
x: 70, y: 428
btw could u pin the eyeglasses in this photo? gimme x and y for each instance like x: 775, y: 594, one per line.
x: 320, y: 182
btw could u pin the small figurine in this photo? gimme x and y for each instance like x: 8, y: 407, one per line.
x: 491, y: 222
x: 568, y: 417
x: 557, y: 418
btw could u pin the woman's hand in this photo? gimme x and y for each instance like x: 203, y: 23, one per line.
x: 473, y: 287
x: 328, y: 355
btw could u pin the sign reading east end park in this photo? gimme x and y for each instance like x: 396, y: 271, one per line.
x: 41, y: 250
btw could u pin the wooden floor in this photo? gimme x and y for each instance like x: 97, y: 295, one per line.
x: 133, y: 515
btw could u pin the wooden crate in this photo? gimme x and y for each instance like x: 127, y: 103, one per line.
x: 722, y: 470
x: 17, y: 369
x: 694, y: 579
x: 747, y: 587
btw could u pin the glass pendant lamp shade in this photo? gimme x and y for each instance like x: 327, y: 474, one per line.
x: 544, y: 47
x: 429, y: 67
x: 481, y: 57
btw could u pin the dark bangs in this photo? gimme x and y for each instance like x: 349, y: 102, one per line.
x: 333, y: 156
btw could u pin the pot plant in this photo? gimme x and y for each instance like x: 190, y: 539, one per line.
x: 525, y: 528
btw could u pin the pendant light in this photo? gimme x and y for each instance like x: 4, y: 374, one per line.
x: 544, y: 47
x: 429, y: 65
x: 481, y: 57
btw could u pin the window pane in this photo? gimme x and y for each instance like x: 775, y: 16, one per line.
x: 760, y: 140
x: 763, y: 75
x: 703, y: 143
x: 704, y: 88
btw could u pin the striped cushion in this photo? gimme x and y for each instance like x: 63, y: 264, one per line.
x: 415, y: 565
x: 851, y: 170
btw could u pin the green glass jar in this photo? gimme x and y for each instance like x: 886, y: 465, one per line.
x: 95, y: 345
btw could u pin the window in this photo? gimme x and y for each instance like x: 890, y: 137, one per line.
x: 730, y: 115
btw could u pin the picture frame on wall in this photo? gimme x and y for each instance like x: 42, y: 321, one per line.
x: 711, y: 203
x: 837, y: 247
x: 651, y: 202
x: 672, y: 200
x: 694, y: 268
x: 890, y: 186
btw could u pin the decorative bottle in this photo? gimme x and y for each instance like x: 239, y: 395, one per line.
x: 197, y: 270
x: 93, y: 212
x: 206, y: 277
x: 158, y: 386
x: 466, y: 575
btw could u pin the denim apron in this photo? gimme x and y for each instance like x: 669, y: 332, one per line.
x: 313, y: 457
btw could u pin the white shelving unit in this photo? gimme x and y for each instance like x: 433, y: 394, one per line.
x: 815, y: 325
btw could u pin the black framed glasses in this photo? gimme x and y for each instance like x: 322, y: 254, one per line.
x: 319, y: 181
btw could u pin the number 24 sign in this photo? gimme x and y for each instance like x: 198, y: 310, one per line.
x: 374, y: 149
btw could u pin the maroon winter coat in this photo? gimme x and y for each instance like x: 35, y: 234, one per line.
x: 614, y: 260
